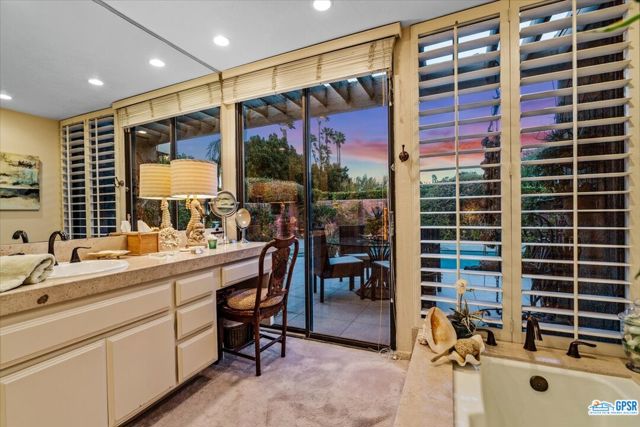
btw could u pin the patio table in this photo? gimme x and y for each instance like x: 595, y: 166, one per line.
x: 377, y: 286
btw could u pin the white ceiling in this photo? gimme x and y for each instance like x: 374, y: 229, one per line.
x: 48, y: 49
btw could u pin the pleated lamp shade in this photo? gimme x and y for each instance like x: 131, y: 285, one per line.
x: 155, y: 181
x: 194, y: 179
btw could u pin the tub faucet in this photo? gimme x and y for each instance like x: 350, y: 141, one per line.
x: 21, y: 234
x: 52, y: 240
x: 573, y: 348
x: 533, y: 333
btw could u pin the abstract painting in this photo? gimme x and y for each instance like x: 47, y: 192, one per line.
x: 19, y: 182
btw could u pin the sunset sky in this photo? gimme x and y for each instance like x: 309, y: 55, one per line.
x: 365, y: 150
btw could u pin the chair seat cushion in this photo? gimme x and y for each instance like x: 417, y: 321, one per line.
x: 347, y: 259
x: 246, y: 299
x: 383, y: 264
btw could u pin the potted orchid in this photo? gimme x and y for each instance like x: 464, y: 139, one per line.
x: 464, y: 321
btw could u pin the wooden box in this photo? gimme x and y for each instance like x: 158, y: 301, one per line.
x: 142, y: 243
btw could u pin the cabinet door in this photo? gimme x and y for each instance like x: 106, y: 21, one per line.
x: 197, y: 353
x: 141, y: 367
x: 66, y: 391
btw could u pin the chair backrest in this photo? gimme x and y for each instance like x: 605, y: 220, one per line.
x: 282, y: 264
x: 350, y: 232
x: 320, y: 252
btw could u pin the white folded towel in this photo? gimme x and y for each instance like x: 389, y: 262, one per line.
x: 19, y: 270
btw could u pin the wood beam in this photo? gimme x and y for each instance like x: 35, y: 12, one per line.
x: 317, y: 97
x: 367, y: 85
x: 345, y: 95
x: 276, y: 106
x: 292, y: 99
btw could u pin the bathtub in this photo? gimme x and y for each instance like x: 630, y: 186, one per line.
x: 499, y: 394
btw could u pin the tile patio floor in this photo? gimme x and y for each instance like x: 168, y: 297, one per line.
x: 343, y: 313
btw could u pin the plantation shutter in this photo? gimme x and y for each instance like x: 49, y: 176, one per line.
x: 102, y: 175
x: 461, y: 195
x: 88, y: 177
x: 353, y: 61
x: 185, y: 101
x: 574, y: 155
x: 73, y: 180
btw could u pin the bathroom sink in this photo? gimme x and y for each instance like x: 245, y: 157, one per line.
x: 65, y: 269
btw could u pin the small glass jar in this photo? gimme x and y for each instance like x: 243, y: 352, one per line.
x: 212, y: 241
x: 630, y: 325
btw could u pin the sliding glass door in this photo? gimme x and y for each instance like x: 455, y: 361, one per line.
x: 348, y: 141
x: 315, y: 164
x: 273, y: 192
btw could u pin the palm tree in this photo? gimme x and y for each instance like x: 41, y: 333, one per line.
x: 338, y: 139
x: 213, y: 151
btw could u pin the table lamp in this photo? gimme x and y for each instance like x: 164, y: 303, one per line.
x: 193, y: 180
x: 155, y: 184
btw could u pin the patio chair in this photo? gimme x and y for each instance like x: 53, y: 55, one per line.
x: 254, y: 305
x: 354, y: 231
x: 326, y: 267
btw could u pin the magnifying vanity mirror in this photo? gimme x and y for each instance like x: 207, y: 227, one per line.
x: 243, y: 219
x: 223, y: 206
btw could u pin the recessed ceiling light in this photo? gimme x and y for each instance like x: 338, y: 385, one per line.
x: 221, y: 40
x: 96, y: 82
x: 5, y: 97
x: 321, y: 5
x: 352, y: 80
x: 379, y: 74
x: 142, y: 132
x: 157, y: 62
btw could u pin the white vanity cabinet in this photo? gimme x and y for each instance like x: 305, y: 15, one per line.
x: 101, y: 360
x: 141, y: 367
x: 65, y: 391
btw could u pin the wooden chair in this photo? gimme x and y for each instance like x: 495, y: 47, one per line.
x: 354, y: 232
x: 254, y: 305
x: 325, y: 267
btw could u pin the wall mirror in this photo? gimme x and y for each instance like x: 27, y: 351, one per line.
x: 59, y: 61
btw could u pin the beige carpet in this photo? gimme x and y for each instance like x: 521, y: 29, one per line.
x: 317, y: 384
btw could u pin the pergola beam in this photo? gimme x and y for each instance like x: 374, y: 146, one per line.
x: 367, y: 85
x: 317, y: 97
x: 346, y: 96
x: 291, y: 99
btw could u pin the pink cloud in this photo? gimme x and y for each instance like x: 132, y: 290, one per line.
x: 371, y: 150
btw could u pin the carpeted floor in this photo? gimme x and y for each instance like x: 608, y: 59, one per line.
x: 316, y: 385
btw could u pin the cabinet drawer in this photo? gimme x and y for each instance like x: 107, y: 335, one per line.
x: 66, y: 391
x: 46, y: 333
x: 196, y: 286
x: 195, y: 316
x: 239, y: 271
x: 141, y: 366
x: 197, y: 353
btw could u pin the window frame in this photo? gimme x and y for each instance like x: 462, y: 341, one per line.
x: 129, y: 163
x: 508, y: 12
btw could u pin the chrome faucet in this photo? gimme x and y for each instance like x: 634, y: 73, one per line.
x: 52, y: 240
x: 533, y: 333
x: 20, y: 234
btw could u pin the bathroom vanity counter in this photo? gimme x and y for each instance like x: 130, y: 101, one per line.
x: 110, y: 345
x: 141, y: 269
